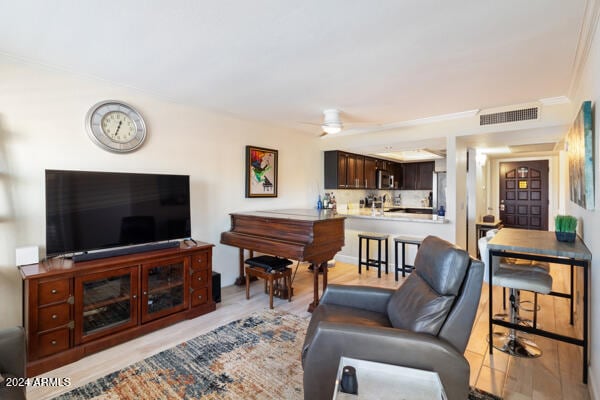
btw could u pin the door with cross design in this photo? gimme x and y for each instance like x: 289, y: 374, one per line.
x: 524, y: 194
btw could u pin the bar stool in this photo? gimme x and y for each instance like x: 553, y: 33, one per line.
x: 522, y: 265
x: 404, y: 240
x: 371, y: 262
x: 531, y: 279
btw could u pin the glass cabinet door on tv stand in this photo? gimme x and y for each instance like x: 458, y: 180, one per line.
x: 107, y: 303
x: 164, y: 288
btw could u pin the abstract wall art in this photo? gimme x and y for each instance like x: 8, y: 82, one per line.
x: 261, y: 172
x: 580, y: 149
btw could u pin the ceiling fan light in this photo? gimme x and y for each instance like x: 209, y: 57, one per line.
x: 331, y: 128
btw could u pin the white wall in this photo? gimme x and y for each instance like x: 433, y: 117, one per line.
x: 474, y: 203
x: 589, y: 89
x: 42, y: 127
x: 457, y: 179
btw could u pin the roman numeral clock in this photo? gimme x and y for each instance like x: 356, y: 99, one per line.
x: 115, y: 126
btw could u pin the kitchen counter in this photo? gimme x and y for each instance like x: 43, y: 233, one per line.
x: 367, y: 213
x: 393, y: 223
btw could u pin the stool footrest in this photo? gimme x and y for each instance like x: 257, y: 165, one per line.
x: 373, y: 262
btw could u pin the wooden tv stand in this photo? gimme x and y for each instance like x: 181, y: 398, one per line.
x: 75, y: 309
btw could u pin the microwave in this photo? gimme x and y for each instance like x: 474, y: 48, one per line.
x: 385, y: 180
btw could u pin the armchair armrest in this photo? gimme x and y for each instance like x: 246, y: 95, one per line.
x: 363, y: 297
x: 380, y: 344
x: 12, y: 351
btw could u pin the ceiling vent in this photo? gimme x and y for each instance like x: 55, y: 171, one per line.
x: 523, y: 114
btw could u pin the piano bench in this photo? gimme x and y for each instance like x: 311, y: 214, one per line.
x: 271, y: 269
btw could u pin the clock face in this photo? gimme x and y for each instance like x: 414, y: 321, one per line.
x: 118, y: 126
x: 115, y: 126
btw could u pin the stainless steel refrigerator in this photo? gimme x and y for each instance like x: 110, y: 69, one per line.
x: 439, y: 190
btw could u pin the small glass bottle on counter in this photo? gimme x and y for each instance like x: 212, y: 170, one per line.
x: 441, y: 213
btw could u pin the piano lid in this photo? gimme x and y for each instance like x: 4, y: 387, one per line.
x: 294, y: 213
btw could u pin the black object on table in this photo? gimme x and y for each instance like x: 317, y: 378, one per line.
x: 349, y: 382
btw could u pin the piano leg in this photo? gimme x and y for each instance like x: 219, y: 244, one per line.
x: 241, y: 279
x: 322, y: 267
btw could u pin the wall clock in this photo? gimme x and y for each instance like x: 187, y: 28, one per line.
x: 115, y: 126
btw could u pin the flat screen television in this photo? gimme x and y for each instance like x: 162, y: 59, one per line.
x: 88, y: 210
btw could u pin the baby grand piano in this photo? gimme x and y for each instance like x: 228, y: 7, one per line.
x: 314, y: 236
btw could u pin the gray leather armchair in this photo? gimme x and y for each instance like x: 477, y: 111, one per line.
x: 12, y: 361
x: 424, y: 324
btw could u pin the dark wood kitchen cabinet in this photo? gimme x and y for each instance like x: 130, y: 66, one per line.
x: 344, y: 170
x: 384, y: 164
x: 370, y: 173
x: 336, y: 167
x: 398, y: 175
x: 356, y: 171
x: 417, y: 176
x: 425, y: 178
x: 409, y: 176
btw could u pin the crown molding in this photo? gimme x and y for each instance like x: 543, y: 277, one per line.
x: 552, y: 101
x: 586, y: 37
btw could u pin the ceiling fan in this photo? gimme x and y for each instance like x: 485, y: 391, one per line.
x: 332, y: 123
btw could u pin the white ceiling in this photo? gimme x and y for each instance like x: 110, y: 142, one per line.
x: 284, y: 61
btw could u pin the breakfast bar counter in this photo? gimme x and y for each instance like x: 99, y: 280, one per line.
x: 367, y: 213
x: 392, y: 223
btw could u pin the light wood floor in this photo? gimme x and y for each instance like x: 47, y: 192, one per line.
x: 555, y: 375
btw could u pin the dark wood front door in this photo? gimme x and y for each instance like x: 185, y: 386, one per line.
x: 524, y: 194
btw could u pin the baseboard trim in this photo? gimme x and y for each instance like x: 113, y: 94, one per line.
x: 354, y: 260
x: 592, y: 385
x: 346, y: 259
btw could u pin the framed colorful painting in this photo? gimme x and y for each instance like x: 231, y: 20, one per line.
x: 261, y: 172
x: 580, y: 148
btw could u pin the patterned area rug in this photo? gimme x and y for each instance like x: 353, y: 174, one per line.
x: 254, y: 358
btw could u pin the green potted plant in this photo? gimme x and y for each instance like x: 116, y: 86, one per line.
x: 565, y: 226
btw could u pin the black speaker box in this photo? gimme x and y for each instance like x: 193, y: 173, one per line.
x: 216, y: 287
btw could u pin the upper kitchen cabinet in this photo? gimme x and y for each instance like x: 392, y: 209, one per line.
x: 356, y: 171
x: 384, y: 165
x: 336, y: 167
x: 417, y: 176
x: 344, y: 170
x: 425, y: 180
x: 370, y: 173
x: 398, y: 175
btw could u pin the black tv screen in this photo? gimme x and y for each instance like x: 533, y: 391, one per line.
x: 99, y: 210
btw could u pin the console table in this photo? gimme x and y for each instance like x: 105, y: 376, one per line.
x: 75, y: 309
x: 542, y: 246
x: 385, y: 381
x: 482, y: 228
